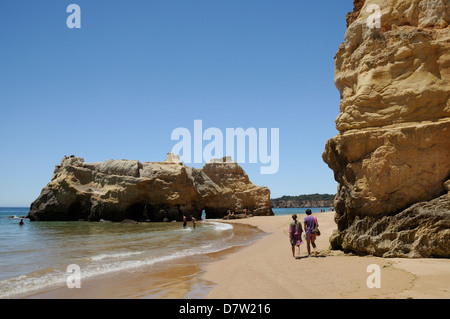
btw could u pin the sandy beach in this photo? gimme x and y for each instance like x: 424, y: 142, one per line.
x: 267, y: 270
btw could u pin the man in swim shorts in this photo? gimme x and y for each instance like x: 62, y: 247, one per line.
x: 310, y: 222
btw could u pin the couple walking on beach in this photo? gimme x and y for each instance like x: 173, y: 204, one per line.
x: 296, y: 230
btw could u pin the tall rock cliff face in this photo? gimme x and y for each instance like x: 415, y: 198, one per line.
x: 392, y: 155
x: 127, y: 189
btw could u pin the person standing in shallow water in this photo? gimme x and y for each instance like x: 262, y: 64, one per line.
x: 310, y: 222
x: 295, y: 234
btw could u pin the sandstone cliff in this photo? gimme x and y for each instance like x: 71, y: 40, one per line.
x: 128, y: 189
x: 392, y: 155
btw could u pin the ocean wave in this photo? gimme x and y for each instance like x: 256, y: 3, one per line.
x: 15, y: 217
x: 219, y: 226
x: 116, y: 255
x: 34, y: 281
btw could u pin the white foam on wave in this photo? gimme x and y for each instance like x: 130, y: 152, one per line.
x: 116, y: 255
x: 27, y: 283
x: 219, y: 226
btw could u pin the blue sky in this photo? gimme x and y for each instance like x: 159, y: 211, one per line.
x: 137, y: 70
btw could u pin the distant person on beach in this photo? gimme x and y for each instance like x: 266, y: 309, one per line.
x: 194, y: 221
x: 184, y: 221
x: 295, y: 235
x: 21, y: 222
x: 310, y: 222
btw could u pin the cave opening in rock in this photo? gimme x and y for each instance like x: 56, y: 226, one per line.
x: 138, y: 212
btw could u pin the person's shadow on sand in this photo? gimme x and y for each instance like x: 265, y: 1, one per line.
x: 312, y: 256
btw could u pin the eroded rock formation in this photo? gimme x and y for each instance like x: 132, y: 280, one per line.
x: 392, y: 155
x: 127, y: 189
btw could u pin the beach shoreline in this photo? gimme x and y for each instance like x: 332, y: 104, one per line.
x: 178, y: 278
x: 267, y: 270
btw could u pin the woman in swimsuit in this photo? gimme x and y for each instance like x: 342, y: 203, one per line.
x: 295, y: 235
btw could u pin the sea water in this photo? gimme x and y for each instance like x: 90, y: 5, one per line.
x: 299, y: 210
x: 36, y: 255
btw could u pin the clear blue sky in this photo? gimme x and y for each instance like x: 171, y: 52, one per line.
x: 138, y: 69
